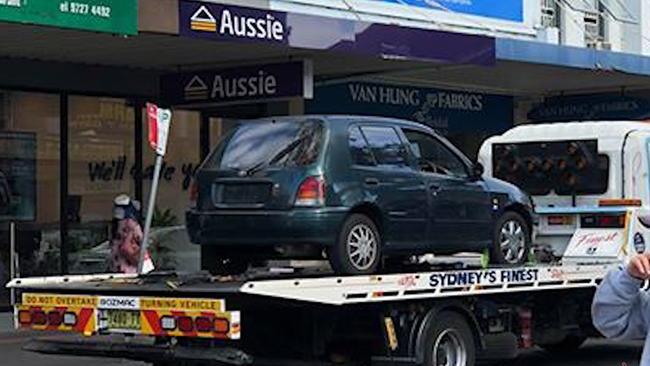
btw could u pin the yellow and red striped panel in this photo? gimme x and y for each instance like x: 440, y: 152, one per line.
x: 65, y: 313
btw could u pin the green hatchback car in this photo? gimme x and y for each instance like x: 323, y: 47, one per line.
x: 355, y: 190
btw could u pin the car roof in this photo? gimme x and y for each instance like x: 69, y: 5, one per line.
x: 349, y: 119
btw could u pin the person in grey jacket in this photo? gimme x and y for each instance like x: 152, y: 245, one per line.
x: 620, y: 309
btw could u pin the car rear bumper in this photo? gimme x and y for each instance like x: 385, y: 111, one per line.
x: 311, y: 226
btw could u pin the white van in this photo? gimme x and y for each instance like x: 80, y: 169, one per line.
x: 581, y: 175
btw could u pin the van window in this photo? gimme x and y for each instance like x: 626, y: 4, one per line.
x: 563, y: 167
x: 385, y: 144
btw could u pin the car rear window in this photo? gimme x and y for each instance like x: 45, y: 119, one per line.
x: 256, y: 145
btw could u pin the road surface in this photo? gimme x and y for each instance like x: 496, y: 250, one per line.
x: 593, y: 353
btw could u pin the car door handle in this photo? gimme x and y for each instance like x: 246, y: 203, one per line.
x: 371, y: 181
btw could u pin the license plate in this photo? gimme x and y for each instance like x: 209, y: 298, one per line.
x: 122, y: 320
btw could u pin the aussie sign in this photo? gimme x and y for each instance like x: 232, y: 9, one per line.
x: 240, y: 85
x: 228, y: 22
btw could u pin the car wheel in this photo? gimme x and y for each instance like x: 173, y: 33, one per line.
x: 358, y: 248
x: 512, y: 240
x: 449, y: 341
x: 218, y: 265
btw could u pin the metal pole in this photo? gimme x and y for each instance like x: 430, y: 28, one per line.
x: 150, y: 209
x: 13, y: 260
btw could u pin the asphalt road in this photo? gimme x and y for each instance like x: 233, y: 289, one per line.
x: 593, y: 353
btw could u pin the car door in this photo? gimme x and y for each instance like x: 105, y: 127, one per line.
x: 392, y: 184
x: 460, y: 211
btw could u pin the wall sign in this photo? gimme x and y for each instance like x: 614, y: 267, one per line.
x: 591, y: 108
x: 444, y: 110
x: 512, y: 10
x: 111, y: 16
x: 220, y: 22
x: 245, y: 84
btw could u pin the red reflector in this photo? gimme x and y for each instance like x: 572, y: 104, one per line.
x: 221, y: 325
x: 194, y: 193
x: 24, y: 317
x: 203, y: 324
x: 54, y: 318
x: 39, y: 318
x: 185, y: 324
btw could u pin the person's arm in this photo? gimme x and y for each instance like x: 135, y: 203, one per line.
x: 618, y: 309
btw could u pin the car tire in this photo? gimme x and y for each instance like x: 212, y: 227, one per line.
x: 511, y: 240
x: 358, y: 247
x: 218, y: 265
x: 449, y: 341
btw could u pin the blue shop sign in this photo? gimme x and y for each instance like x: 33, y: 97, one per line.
x: 602, y: 107
x: 512, y: 10
x: 447, y: 111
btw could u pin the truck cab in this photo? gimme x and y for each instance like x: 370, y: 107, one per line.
x: 581, y: 175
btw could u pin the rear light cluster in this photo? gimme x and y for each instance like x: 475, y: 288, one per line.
x: 41, y: 318
x: 194, y: 193
x: 311, y: 192
x: 201, y: 324
x: 603, y: 221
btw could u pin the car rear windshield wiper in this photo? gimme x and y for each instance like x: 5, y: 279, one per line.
x: 279, y: 155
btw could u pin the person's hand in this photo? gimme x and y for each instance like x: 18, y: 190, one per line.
x: 639, y: 267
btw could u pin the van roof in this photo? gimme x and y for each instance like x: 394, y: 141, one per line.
x: 574, y: 130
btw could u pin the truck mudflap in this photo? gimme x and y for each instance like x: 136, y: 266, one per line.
x: 140, y: 351
x: 147, y: 316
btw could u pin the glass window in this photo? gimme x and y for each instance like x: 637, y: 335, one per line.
x: 359, y: 152
x: 29, y: 183
x: 433, y: 156
x: 385, y: 144
x: 255, y: 145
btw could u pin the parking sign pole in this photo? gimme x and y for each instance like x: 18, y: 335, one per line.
x: 150, y: 209
x: 159, y: 122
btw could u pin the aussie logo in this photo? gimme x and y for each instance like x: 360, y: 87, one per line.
x: 234, y: 23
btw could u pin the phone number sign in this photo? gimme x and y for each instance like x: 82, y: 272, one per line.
x: 110, y: 16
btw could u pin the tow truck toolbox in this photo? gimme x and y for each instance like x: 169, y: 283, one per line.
x: 419, y: 318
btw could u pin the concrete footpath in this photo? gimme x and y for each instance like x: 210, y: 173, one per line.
x: 6, y: 322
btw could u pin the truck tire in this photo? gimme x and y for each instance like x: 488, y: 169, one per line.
x: 218, y: 265
x: 358, y: 248
x: 511, y: 240
x: 449, y: 341
x: 569, y: 343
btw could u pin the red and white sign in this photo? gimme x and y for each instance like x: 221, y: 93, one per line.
x: 606, y: 243
x: 159, y: 122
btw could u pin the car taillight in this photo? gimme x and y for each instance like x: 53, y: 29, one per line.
x: 194, y: 193
x: 39, y: 318
x: 203, y: 324
x: 311, y: 192
x: 54, y: 318
x: 24, y: 317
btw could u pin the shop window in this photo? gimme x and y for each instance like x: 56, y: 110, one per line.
x: 101, y: 167
x: 29, y: 183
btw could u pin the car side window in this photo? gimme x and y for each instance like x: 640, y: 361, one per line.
x: 433, y: 156
x: 386, y: 145
x: 360, y: 153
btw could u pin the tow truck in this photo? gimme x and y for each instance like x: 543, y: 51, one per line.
x: 449, y: 314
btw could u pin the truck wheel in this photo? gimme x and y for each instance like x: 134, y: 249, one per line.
x: 358, y: 248
x: 512, y: 240
x: 449, y: 341
x: 569, y: 343
x: 218, y: 265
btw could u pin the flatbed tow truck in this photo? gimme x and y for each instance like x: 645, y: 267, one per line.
x: 428, y: 314
x: 444, y: 316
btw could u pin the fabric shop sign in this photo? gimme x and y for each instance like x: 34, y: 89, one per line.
x: 591, y: 108
x: 444, y: 110
x: 512, y: 10
x: 247, y: 84
x: 111, y: 16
